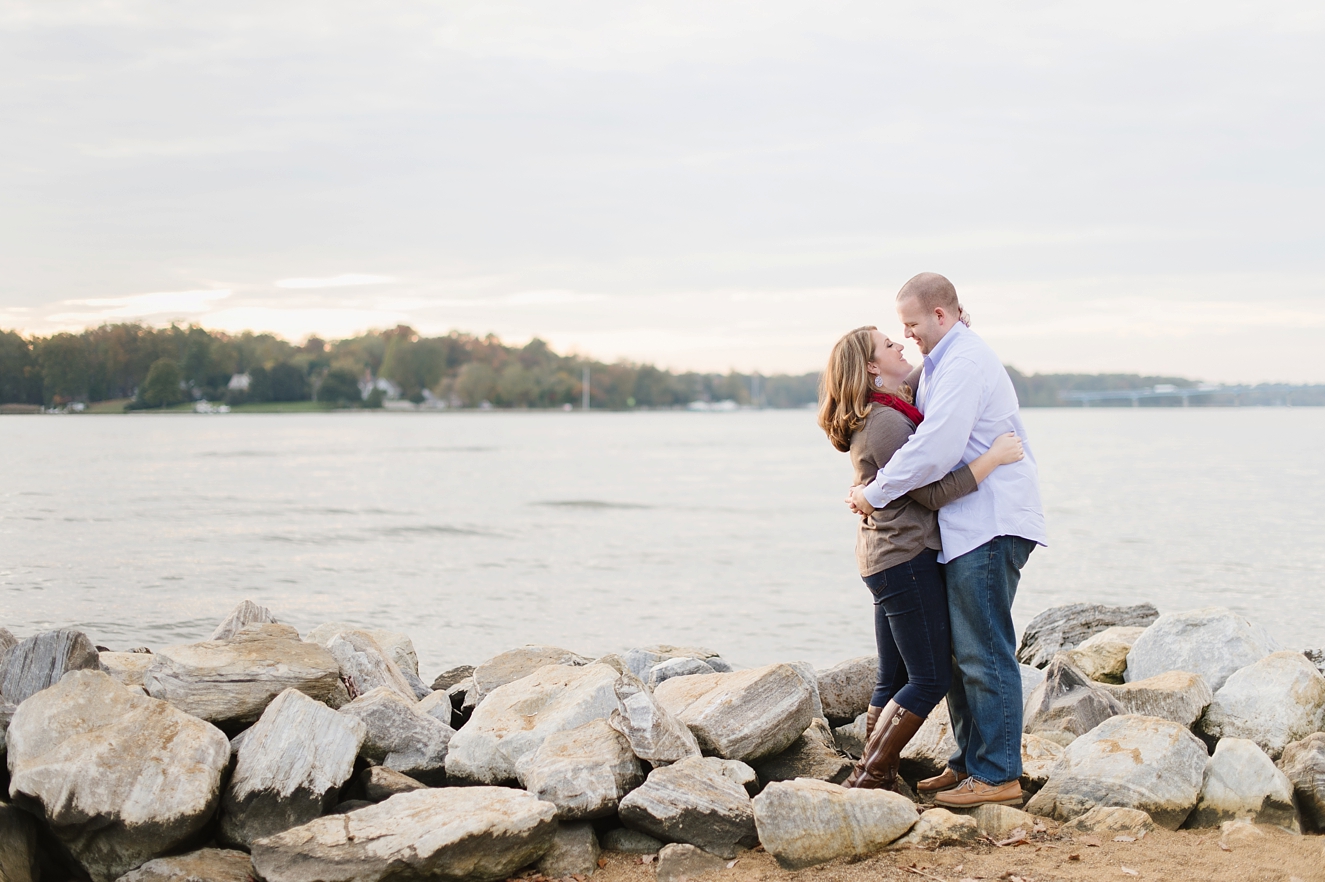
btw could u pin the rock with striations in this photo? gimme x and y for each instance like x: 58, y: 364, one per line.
x: 1038, y: 758
x: 811, y: 679
x: 680, y: 862
x: 397, y: 646
x: 1129, y: 761
x: 1110, y: 820
x: 938, y: 827
x: 247, y: 613
x: 19, y: 855
x: 365, y: 665
x: 400, y: 736
x: 655, y: 735
x: 289, y: 768
x: 747, y: 715
x: 1274, y: 702
x: 233, y: 681
x: 1068, y: 704
x: 7, y: 642
x: 204, y: 865
x: 628, y: 841
x: 640, y: 661
x: 676, y: 667
x: 802, y: 823
x: 516, y: 718
x: 451, y: 676
x: 813, y: 755
x: 1303, y: 762
x: 118, y: 777
x: 460, y: 834
x: 1213, y: 642
x: 1242, y: 783
x: 1103, y: 657
x: 845, y: 689
x: 126, y: 667
x: 1067, y: 627
x: 702, y: 801
x: 1030, y: 678
x: 6, y: 714
x: 584, y: 771
x: 1178, y: 696
x: 516, y: 664
x: 40, y: 661
x: 928, y: 752
x: 574, y: 850
x: 378, y: 783
x: 1000, y: 821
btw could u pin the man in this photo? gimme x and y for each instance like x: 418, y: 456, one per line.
x: 968, y: 400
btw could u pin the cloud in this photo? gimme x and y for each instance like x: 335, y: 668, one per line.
x: 171, y: 304
x: 343, y: 281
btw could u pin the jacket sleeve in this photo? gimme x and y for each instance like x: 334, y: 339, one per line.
x: 951, y: 486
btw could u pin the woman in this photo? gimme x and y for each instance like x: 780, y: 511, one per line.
x: 866, y: 409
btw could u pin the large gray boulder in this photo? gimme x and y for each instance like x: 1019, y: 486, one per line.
x: 40, y: 661
x: 204, y: 865
x: 233, y: 681
x: 811, y: 678
x: 517, y: 717
x: 1068, y: 704
x: 1303, y: 762
x: 680, y: 862
x: 289, y: 769
x: 1144, y: 763
x: 516, y: 664
x: 18, y: 845
x: 574, y: 850
x: 400, y: 736
x: 584, y: 771
x: 702, y: 801
x: 1178, y: 696
x: 1213, y: 642
x: 1067, y: 627
x: 747, y: 715
x: 365, y: 666
x: 1274, y: 702
x: 460, y: 834
x: 245, y: 614
x: 118, y: 777
x: 1242, y: 783
x: 397, y: 646
x: 813, y: 755
x: 1103, y: 657
x: 655, y: 735
x: 802, y: 823
x: 845, y: 688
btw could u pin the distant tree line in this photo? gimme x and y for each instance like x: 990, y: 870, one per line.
x: 156, y: 367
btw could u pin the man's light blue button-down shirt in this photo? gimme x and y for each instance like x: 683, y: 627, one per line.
x: 968, y: 401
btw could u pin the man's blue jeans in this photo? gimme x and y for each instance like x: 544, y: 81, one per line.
x: 985, y: 700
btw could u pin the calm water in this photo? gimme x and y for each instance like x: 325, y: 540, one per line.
x: 475, y: 533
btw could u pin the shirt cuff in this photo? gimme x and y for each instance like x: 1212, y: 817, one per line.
x: 873, y: 495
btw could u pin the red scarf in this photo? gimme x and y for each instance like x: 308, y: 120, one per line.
x: 907, y: 410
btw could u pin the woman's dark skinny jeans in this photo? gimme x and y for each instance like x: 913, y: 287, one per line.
x: 911, y: 627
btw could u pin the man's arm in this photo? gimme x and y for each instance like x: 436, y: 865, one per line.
x: 937, y: 446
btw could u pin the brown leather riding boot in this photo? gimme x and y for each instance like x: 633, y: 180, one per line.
x: 883, y: 753
x: 871, y: 718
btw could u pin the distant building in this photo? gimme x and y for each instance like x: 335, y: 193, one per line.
x: 390, y: 391
x: 239, y: 382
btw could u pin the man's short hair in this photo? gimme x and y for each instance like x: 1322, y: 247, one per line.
x: 932, y: 291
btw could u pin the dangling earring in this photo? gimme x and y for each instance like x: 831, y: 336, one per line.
x: 878, y: 381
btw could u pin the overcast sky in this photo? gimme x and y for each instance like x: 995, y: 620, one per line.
x: 1123, y: 186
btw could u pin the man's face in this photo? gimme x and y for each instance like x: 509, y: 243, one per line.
x: 926, y: 327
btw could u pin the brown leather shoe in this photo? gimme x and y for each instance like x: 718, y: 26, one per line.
x: 945, y: 780
x: 971, y: 793
x: 877, y: 769
x: 871, y: 718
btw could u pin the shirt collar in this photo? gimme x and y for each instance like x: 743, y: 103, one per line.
x: 936, y: 354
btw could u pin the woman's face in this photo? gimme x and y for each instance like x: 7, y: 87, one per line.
x: 888, y: 362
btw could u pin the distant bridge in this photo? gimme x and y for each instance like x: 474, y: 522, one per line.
x: 1163, y: 390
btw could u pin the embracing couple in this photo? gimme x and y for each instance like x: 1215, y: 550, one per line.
x: 949, y: 505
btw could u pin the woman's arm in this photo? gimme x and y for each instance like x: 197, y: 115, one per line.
x: 957, y: 483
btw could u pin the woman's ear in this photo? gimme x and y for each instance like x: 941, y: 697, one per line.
x: 872, y: 367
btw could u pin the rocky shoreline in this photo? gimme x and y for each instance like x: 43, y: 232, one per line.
x: 261, y: 754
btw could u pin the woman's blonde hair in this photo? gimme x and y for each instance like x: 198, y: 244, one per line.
x: 845, y: 387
